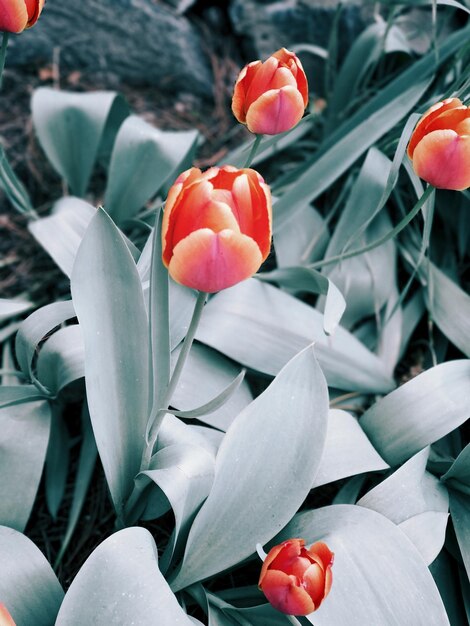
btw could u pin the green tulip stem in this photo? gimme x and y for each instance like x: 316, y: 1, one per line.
x: 378, y: 242
x: 188, y: 342
x: 3, y: 55
x: 254, y: 150
x: 130, y: 509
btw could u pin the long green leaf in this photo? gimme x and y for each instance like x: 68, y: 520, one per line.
x: 24, y: 435
x: 419, y: 412
x: 108, y: 299
x: 263, y: 328
x: 260, y: 453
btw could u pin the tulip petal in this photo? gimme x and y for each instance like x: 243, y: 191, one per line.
x: 291, y: 60
x: 276, y: 111
x: 210, y: 261
x: 262, y: 216
x: 216, y: 216
x: 283, y: 77
x: 5, y: 617
x: 442, y: 159
x: 449, y: 120
x: 182, y: 211
x: 34, y: 8
x: 239, y: 102
x: 285, y: 595
x: 427, y: 118
x: 261, y: 81
x: 321, y: 550
x: 13, y: 17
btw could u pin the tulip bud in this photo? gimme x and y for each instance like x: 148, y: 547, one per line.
x: 440, y: 145
x: 296, y: 580
x: 16, y: 15
x: 271, y: 97
x: 5, y: 617
x: 216, y: 228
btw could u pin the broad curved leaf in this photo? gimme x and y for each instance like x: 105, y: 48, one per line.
x: 120, y: 584
x: 264, y: 469
x: 70, y: 128
x: 28, y: 586
x: 378, y: 575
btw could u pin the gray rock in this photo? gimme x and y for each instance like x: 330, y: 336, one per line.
x: 265, y: 26
x: 138, y: 41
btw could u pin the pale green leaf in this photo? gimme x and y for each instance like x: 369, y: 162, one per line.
x: 260, y: 453
x: 263, y: 328
x: 12, y: 307
x: 120, y: 584
x: 108, y: 299
x: 61, y: 359
x: 375, y: 565
x: 347, y: 450
x: 28, y: 586
x: 24, y: 435
x: 70, y: 127
x: 419, y: 412
x: 143, y: 158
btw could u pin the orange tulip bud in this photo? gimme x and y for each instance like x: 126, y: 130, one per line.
x: 440, y: 145
x: 296, y: 580
x: 16, y: 15
x: 5, y: 617
x: 271, y: 97
x: 216, y: 227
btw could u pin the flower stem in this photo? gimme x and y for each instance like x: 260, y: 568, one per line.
x: 3, y: 54
x: 254, y: 150
x: 378, y: 242
x: 148, y: 450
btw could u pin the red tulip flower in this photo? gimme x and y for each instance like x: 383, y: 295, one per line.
x: 271, y: 97
x: 5, y: 617
x: 16, y: 15
x: 296, y: 580
x: 216, y: 227
x: 440, y: 145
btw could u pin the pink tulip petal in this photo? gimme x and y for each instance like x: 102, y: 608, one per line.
x: 5, y: 617
x: 216, y: 216
x: 13, y: 16
x: 328, y: 581
x: 322, y: 551
x: 442, y: 158
x: 314, y: 582
x: 463, y: 128
x: 210, y: 261
x: 449, y: 120
x: 275, y: 550
x: 427, y: 118
x: 291, y: 60
x: 239, y: 105
x: 276, y: 111
x: 261, y: 81
x: 285, y: 594
x: 283, y: 77
x: 183, y: 213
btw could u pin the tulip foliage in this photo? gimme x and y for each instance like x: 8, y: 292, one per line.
x: 270, y: 355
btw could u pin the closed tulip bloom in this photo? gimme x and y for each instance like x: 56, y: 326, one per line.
x: 440, y: 145
x: 271, y: 97
x: 294, y: 579
x: 216, y: 227
x: 5, y: 617
x: 16, y: 15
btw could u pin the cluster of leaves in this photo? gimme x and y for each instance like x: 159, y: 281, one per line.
x: 233, y: 469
